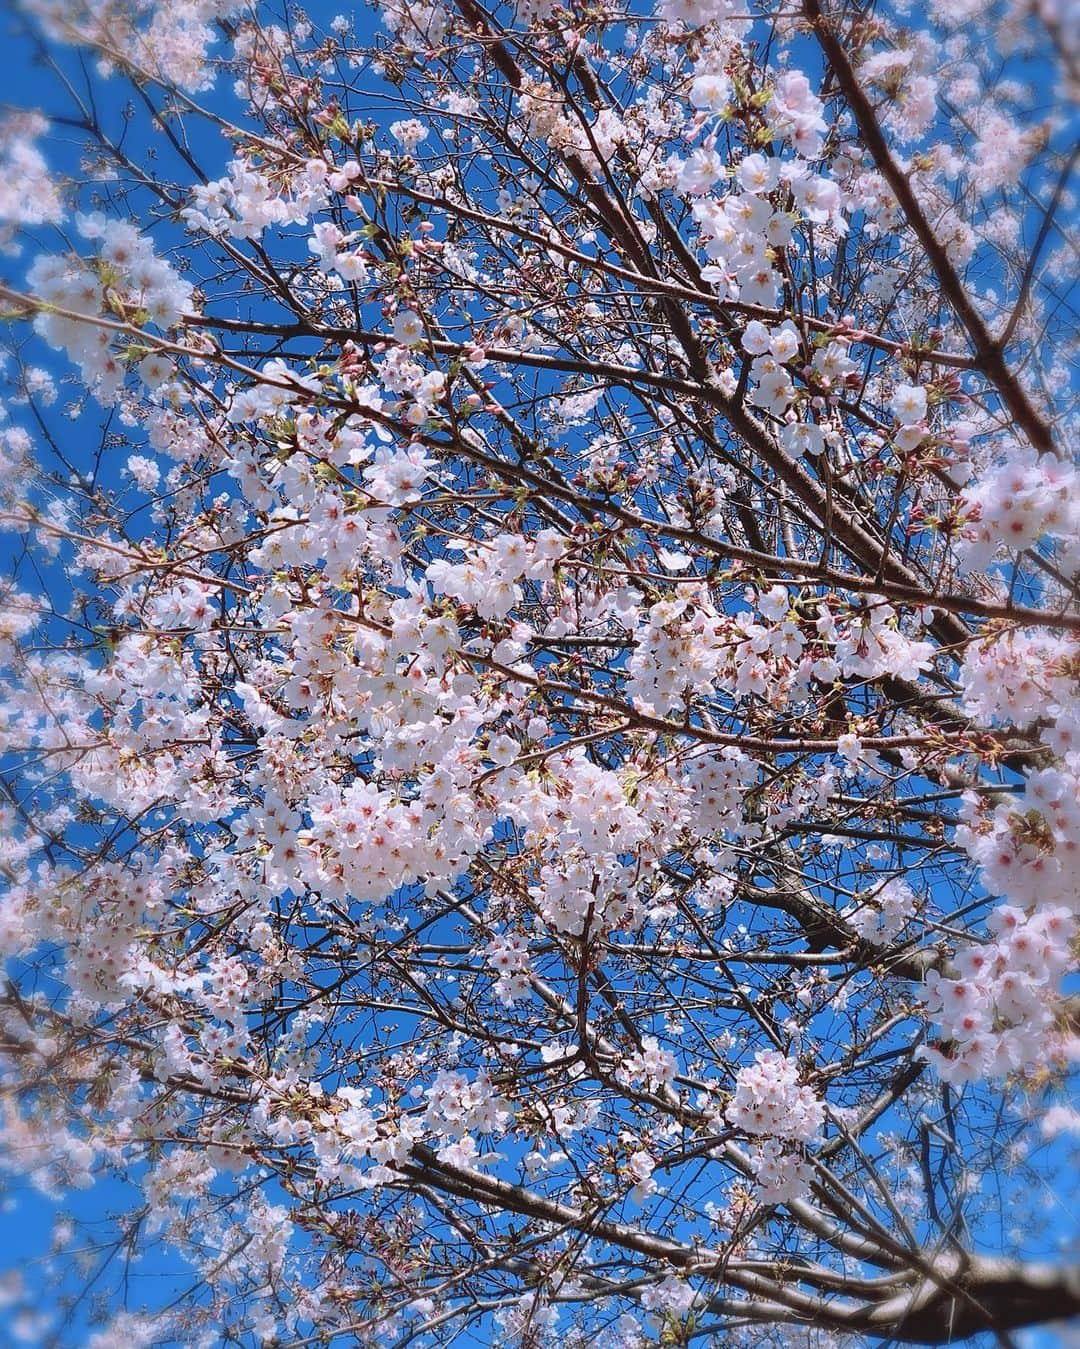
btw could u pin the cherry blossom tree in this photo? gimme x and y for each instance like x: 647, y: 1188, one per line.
x: 540, y: 788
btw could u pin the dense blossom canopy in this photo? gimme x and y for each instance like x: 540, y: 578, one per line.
x: 541, y: 783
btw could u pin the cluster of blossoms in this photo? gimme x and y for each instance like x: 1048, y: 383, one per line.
x: 717, y: 786
x: 458, y: 1107
x: 399, y: 374
x: 489, y: 579
x: 54, y: 1162
x: 743, y: 232
x: 781, y: 1174
x: 909, y: 406
x: 769, y: 1099
x: 528, y: 1317
x: 358, y: 1131
x: 508, y: 956
x: 651, y: 1064
x: 579, y: 892
x: 679, y: 651
x: 19, y: 616
x: 28, y: 194
x: 418, y: 25
x: 640, y: 1167
x: 685, y: 648
x: 1027, y: 498
x: 999, y: 1012
x: 884, y: 913
x: 671, y: 1296
x: 1027, y: 848
x: 551, y: 119
x: 364, y: 842
x: 98, y: 924
x: 126, y: 280
x: 244, y: 203
x: 771, y: 1103
x: 358, y: 1143
x: 872, y: 644
x: 771, y: 350
x: 335, y: 252
x: 1017, y: 677
x: 169, y: 38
